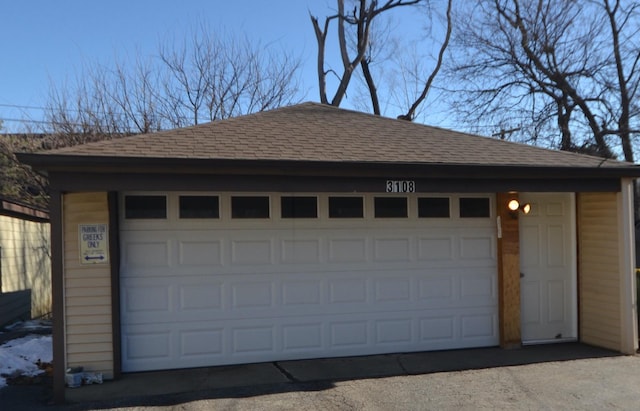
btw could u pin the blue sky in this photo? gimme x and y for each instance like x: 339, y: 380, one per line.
x: 45, y: 41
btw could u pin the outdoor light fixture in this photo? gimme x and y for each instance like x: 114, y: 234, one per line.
x: 514, y: 205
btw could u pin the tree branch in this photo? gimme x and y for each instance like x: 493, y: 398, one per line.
x: 409, y: 115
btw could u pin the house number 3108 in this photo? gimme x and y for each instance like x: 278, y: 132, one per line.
x: 401, y: 186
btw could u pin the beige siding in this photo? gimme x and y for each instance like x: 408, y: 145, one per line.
x: 26, y: 262
x: 599, y: 265
x: 89, y: 341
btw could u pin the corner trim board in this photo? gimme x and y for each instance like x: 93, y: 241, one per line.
x: 57, y: 287
x: 114, y: 252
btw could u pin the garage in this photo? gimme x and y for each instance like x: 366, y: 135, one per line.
x: 311, y: 231
x: 228, y: 278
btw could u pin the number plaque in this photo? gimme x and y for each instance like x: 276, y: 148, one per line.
x: 401, y: 186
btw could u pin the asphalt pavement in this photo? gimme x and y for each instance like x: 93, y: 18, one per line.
x: 554, y: 377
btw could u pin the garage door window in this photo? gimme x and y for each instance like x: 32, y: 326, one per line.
x: 433, y: 207
x: 346, y: 207
x: 250, y: 207
x: 390, y: 207
x: 471, y: 207
x: 299, y: 207
x: 145, y: 207
x: 199, y: 207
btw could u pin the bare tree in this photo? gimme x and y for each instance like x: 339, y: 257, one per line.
x: 558, y: 66
x: 103, y: 103
x: 410, y: 114
x: 212, y: 77
x: 356, y: 44
x: 622, y: 19
x: 205, y: 77
x: 131, y: 103
x: 18, y: 181
x: 190, y: 71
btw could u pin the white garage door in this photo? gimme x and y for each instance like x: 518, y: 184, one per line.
x: 213, y: 279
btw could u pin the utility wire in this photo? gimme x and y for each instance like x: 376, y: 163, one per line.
x: 41, y: 122
x: 501, y: 133
x: 21, y: 106
x: 24, y: 120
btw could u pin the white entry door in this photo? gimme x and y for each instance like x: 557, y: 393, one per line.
x: 548, y: 268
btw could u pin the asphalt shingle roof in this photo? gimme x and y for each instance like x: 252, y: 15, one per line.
x: 316, y: 132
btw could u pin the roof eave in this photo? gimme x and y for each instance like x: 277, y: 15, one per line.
x: 119, y: 164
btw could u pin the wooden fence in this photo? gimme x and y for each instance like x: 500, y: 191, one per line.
x: 15, y: 305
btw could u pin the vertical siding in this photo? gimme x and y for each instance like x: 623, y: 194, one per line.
x: 26, y: 263
x: 599, y: 270
x: 89, y: 340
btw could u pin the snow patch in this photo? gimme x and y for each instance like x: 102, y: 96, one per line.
x: 19, y: 356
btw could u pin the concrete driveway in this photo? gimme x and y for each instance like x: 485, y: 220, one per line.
x: 566, y: 376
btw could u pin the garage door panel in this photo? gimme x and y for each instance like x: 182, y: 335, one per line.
x: 252, y: 252
x: 264, y: 296
x: 300, y: 251
x: 347, y: 290
x: 252, y: 340
x: 392, y: 290
x: 394, y: 331
x: 436, y: 289
x: 148, y: 344
x: 302, y: 292
x: 432, y: 249
x: 249, y: 340
x: 348, y: 334
x: 262, y: 261
x: 477, y: 247
x: 202, y: 344
x: 150, y: 298
x: 200, y: 253
x: 146, y: 254
x: 252, y: 294
x: 392, y: 249
x: 478, y: 326
x: 304, y: 337
x: 200, y: 296
x: 478, y: 285
x: 348, y: 250
x: 228, y: 292
x: 437, y: 329
x: 151, y: 302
